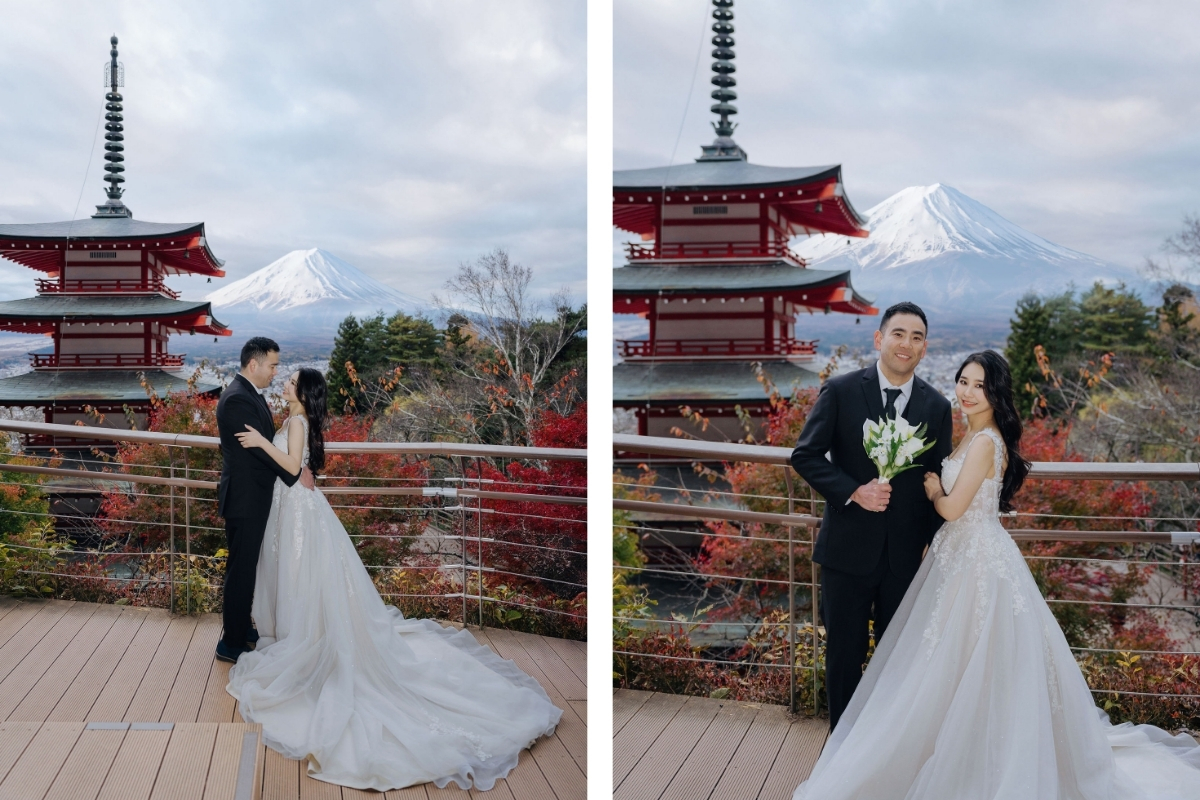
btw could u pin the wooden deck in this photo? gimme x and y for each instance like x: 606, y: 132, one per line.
x: 65, y: 664
x: 694, y: 748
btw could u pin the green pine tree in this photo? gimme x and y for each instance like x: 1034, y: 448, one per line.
x: 1114, y: 320
x: 348, y: 346
x: 413, y: 343
x: 1028, y: 329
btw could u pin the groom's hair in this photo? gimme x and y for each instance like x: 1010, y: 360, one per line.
x: 258, y: 347
x: 904, y: 307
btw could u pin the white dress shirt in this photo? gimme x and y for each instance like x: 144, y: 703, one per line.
x: 905, y: 390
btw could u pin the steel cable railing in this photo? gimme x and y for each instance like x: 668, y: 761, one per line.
x: 648, y: 518
x: 453, y: 540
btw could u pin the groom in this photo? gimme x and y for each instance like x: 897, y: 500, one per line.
x: 247, y: 483
x: 873, y: 534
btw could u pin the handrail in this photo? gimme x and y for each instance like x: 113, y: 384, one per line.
x: 382, y: 448
x: 805, y: 520
x: 696, y: 450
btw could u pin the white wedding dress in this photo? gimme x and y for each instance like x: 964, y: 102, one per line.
x: 973, y: 692
x: 372, y: 700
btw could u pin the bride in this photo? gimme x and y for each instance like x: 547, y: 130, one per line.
x: 372, y: 700
x: 973, y: 691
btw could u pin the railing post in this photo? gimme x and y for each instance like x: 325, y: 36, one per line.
x: 479, y: 535
x: 171, y: 556
x: 187, y: 533
x: 787, y: 479
x: 462, y: 539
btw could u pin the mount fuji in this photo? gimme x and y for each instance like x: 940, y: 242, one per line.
x: 963, y: 263
x: 305, y: 294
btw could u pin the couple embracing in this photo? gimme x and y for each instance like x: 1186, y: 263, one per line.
x: 336, y: 677
x: 972, y: 691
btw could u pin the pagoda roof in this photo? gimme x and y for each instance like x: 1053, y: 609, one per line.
x: 691, y: 382
x: 112, y: 386
x: 813, y: 287
x: 719, y: 175
x: 180, y: 246
x: 797, y: 193
x: 50, y: 308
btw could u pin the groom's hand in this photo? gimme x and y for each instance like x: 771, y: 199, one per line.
x: 873, y: 496
x: 306, y: 479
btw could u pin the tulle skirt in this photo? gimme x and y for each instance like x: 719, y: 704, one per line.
x: 372, y: 700
x: 974, y: 693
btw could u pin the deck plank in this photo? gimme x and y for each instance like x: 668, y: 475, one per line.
x: 626, y: 704
x: 638, y: 735
x: 221, y: 782
x: 574, y: 657
x: 113, y: 700
x: 187, y: 690
x: 664, y: 758
x: 82, y: 775
x: 185, y: 764
x: 81, y: 694
x: 32, y: 631
x: 408, y: 793
x: 281, y: 777
x: 561, y: 771
x: 152, y: 692
x: 18, y: 616
x: 41, y: 657
x: 702, y: 769
x: 580, y: 709
x: 217, y: 705
x: 750, y: 764
x: 313, y: 789
x: 14, y: 738
x: 39, y: 764
x: 136, y: 765
x: 795, y: 759
x: 569, y: 685
x: 54, y: 682
x: 527, y: 782
x: 450, y: 792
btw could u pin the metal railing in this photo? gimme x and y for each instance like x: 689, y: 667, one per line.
x: 801, y: 529
x: 459, y: 501
x: 746, y: 251
x: 92, y: 360
x: 663, y: 349
x: 105, y: 286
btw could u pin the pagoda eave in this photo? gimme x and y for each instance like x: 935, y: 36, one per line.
x: 673, y: 384
x: 43, y: 388
x: 179, y: 248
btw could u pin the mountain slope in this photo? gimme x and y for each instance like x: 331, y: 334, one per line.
x: 310, y: 278
x: 956, y: 258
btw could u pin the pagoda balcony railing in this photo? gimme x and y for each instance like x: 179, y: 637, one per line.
x: 110, y: 360
x: 742, y: 251
x: 105, y: 286
x: 665, y: 349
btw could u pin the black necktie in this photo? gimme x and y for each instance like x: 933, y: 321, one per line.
x: 889, y: 409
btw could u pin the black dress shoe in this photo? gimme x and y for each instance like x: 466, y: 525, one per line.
x: 251, y: 638
x: 227, y: 653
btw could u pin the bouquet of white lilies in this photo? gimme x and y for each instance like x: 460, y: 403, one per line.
x: 894, y: 445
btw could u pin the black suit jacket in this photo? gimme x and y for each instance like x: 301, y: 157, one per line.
x: 247, y: 474
x: 852, y: 538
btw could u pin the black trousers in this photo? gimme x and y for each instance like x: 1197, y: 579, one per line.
x: 848, y: 604
x: 243, y: 539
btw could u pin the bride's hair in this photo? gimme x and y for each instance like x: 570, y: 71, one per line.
x: 997, y: 386
x: 311, y: 391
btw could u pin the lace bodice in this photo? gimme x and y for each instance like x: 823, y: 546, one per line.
x: 976, y: 543
x: 281, y: 438
x: 986, y: 502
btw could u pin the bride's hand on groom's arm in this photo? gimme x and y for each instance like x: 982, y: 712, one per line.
x: 933, y: 486
x: 251, y: 438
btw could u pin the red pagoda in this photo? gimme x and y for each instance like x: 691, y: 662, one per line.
x: 714, y: 275
x: 104, y: 301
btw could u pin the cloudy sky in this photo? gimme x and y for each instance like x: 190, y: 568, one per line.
x: 404, y: 137
x: 1079, y: 121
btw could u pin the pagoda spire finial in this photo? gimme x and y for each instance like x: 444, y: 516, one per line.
x: 723, y: 148
x: 114, y: 79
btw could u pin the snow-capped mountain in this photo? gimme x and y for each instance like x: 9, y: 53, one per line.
x: 963, y: 263
x: 310, y: 278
